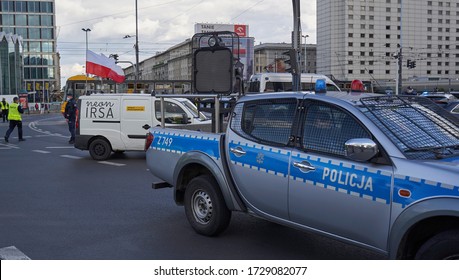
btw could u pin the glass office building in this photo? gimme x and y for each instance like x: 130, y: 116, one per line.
x: 35, y: 22
x: 11, y: 67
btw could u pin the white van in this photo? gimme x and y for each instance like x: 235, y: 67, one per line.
x: 116, y: 122
x: 273, y: 82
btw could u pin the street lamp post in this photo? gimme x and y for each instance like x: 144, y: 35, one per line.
x: 86, y: 30
x: 136, y: 42
x: 305, y: 52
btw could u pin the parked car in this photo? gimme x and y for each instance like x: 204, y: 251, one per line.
x: 452, y: 107
x: 439, y: 97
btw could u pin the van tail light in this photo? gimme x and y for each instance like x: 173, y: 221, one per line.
x: 148, y: 141
x: 77, y: 119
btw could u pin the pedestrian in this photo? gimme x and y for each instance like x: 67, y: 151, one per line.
x: 70, y: 115
x: 4, y: 106
x: 15, y: 118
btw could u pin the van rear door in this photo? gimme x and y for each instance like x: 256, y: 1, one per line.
x: 135, y: 112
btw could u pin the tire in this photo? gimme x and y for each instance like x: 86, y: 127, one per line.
x: 100, y: 149
x: 443, y: 246
x: 205, y: 206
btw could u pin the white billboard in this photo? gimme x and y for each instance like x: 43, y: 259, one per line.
x: 241, y: 30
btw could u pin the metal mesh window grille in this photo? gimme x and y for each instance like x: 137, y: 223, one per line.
x: 268, y: 121
x: 417, y: 126
x: 326, y: 129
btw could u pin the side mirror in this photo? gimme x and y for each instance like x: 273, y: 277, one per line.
x: 360, y: 149
x: 146, y: 126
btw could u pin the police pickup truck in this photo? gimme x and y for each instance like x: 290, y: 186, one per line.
x: 381, y: 172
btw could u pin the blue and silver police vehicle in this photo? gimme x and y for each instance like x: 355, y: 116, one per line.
x: 381, y: 172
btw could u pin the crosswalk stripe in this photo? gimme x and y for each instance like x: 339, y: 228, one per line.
x: 111, y: 163
x: 71, y: 157
x: 41, y: 151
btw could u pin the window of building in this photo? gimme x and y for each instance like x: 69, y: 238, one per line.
x: 429, y: 63
x: 429, y: 29
x: 371, y: 35
x: 362, y: 62
x: 388, y: 10
x: 362, y: 35
x: 387, y: 18
x: 429, y: 46
x: 350, y: 44
x: 428, y: 72
x: 350, y: 35
x: 350, y: 26
x: 46, y: 20
x: 362, y: 71
x: 362, y: 26
x: 371, y: 44
x: 429, y: 38
x: 350, y: 53
x: 362, y: 17
x: 387, y: 62
x: 33, y: 6
x: 362, y: 53
x: 371, y: 26
x: 387, y: 27
x: 21, y: 20
x: 387, y: 36
x: 387, y: 72
x: 362, y: 44
x: 34, y: 20
x: 350, y: 62
x: 350, y: 71
x: 21, y: 6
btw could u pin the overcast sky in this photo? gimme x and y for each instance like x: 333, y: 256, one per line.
x: 164, y: 23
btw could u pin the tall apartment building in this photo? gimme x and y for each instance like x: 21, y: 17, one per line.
x: 35, y: 21
x: 357, y: 39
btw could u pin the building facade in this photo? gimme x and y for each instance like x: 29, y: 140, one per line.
x: 269, y: 57
x: 361, y: 39
x: 35, y: 22
x: 11, y: 66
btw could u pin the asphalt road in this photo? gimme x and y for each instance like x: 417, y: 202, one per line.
x: 56, y: 203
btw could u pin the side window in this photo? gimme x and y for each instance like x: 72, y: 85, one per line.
x: 327, y: 128
x: 174, y: 114
x: 268, y: 121
x: 456, y: 109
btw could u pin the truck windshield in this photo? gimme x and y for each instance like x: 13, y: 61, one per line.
x: 419, y: 128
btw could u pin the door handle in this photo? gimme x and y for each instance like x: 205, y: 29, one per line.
x: 238, y: 151
x: 304, y: 166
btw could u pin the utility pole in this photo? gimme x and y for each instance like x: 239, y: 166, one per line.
x: 136, y: 43
x: 296, y: 44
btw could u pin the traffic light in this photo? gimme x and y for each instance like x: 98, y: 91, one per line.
x: 408, y: 63
x: 411, y: 64
x: 291, y: 61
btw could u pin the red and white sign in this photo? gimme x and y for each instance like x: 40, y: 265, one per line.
x: 104, y: 67
x: 240, y: 30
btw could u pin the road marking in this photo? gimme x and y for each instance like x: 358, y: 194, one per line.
x: 61, y: 147
x: 8, y: 146
x: 112, y: 163
x: 41, y: 151
x: 12, y: 253
x: 71, y: 157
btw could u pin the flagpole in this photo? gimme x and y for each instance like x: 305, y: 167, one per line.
x: 86, y: 68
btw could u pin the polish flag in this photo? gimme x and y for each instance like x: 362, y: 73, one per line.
x: 104, y: 67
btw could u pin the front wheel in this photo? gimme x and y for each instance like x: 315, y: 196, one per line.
x: 100, y: 149
x: 205, y: 206
x: 443, y: 246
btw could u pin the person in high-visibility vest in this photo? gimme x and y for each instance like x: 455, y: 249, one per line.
x: 15, y: 118
x: 4, y: 106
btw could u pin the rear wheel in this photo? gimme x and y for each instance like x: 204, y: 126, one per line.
x: 205, y: 206
x: 100, y: 149
x: 443, y: 246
